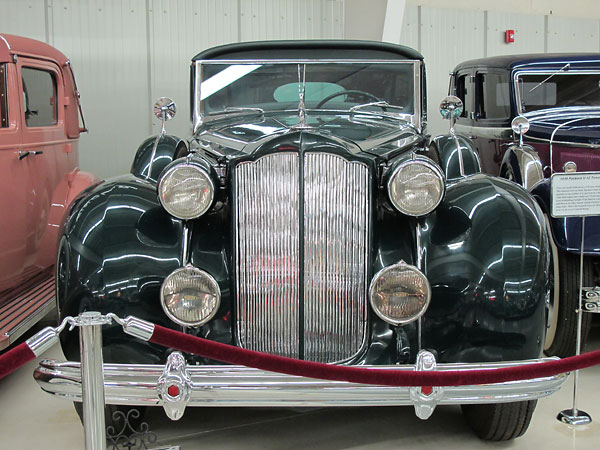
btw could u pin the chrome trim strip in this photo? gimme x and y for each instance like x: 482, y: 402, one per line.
x: 566, y: 144
x: 242, y: 386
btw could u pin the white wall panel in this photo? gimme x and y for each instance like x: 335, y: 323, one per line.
x: 106, y: 42
x: 23, y: 17
x: 447, y: 37
x: 573, y: 35
x: 291, y: 19
x: 410, y: 27
x: 529, y: 33
x: 179, y: 30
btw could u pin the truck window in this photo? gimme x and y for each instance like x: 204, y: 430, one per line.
x: 493, y: 100
x: 463, y: 91
x: 39, y: 97
x: 3, y: 98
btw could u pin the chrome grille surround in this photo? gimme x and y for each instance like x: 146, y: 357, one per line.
x: 301, y: 236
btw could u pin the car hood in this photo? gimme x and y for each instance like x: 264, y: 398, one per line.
x: 372, y: 134
x: 573, y: 126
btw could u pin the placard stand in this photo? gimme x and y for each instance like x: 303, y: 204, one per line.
x: 576, y: 195
x: 575, y: 416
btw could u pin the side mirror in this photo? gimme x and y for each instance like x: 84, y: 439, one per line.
x: 165, y: 109
x: 520, y: 126
x: 451, y: 108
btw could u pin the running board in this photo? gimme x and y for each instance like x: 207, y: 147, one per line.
x: 24, y: 306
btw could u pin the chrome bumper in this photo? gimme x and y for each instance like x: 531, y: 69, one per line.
x: 175, y: 385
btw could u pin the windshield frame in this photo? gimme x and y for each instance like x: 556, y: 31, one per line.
x: 200, y: 118
x: 550, y: 71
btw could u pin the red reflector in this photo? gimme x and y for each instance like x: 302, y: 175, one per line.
x: 173, y: 391
x: 427, y: 390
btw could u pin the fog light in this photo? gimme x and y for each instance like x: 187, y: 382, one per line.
x: 190, y: 296
x: 400, y: 293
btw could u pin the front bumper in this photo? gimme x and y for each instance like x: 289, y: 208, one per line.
x: 175, y: 385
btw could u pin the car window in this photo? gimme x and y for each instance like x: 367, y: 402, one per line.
x: 541, y: 91
x: 463, y: 91
x: 275, y: 86
x: 3, y: 98
x: 493, y: 99
x: 39, y: 97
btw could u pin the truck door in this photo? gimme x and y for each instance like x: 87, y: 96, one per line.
x: 42, y: 114
x: 15, y: 186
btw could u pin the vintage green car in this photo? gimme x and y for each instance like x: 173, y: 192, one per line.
x: 311, y: 216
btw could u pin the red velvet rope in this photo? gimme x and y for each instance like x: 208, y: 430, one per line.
x: 15, y: 358
x: 235, y: 355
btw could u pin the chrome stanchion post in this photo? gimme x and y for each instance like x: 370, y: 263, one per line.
x: 92, y: 378
x: 575, y: 416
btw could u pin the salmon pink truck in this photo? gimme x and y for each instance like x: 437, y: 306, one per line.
x: 39, y: 133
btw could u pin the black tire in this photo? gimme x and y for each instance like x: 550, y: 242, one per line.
x: 116, y: 420
x: 564, y: 343
x: 500, y: 421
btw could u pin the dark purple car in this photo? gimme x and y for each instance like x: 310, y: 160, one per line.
x: 559, y: 95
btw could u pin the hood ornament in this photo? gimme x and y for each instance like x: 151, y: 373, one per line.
x: 301, y: 94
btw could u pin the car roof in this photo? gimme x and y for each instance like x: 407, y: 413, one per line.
x: 541, y: 60
x: 310, y: 49
x: 17, y: 45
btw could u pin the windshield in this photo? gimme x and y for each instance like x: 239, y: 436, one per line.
x: 276, y: 86
x: 564, y: 89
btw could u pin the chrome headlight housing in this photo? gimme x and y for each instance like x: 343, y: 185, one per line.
x: 416, y: 186
x: 186, y: 191
x: 190, y: 296
x: 399, y: 293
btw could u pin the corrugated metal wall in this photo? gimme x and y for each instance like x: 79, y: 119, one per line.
x: 449, y: 36
x: 127, y: 53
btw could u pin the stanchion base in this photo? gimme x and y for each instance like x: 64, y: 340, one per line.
x: 572, y: 417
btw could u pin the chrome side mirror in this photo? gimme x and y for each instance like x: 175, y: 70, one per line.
x: 520, y: 126
x: 165, y: 109
x: 451, y: 108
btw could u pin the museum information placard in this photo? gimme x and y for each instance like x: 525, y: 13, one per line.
x: 575, y: 194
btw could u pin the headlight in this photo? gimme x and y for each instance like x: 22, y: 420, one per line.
x: 416, y: 187
x: 190, y: 296
x: 399, y: 293
x: 186, y: 191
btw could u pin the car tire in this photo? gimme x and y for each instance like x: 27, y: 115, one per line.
x: 116, y: 420
x: 564, y: 341
x: 500, y: 421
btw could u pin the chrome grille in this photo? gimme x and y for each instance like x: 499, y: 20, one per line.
x: 335, y: 252
x: 317, y: 296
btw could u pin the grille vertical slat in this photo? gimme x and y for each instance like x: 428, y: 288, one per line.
x: 335, y: 242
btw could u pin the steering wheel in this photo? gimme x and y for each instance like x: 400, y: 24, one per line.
x: 364, y: 94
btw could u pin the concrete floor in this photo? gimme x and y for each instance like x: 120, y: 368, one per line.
x: 30, y: 419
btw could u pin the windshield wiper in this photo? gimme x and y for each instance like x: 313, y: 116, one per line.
x: 243, y: 109
x: 563, y: 68
x: 382, y: 104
